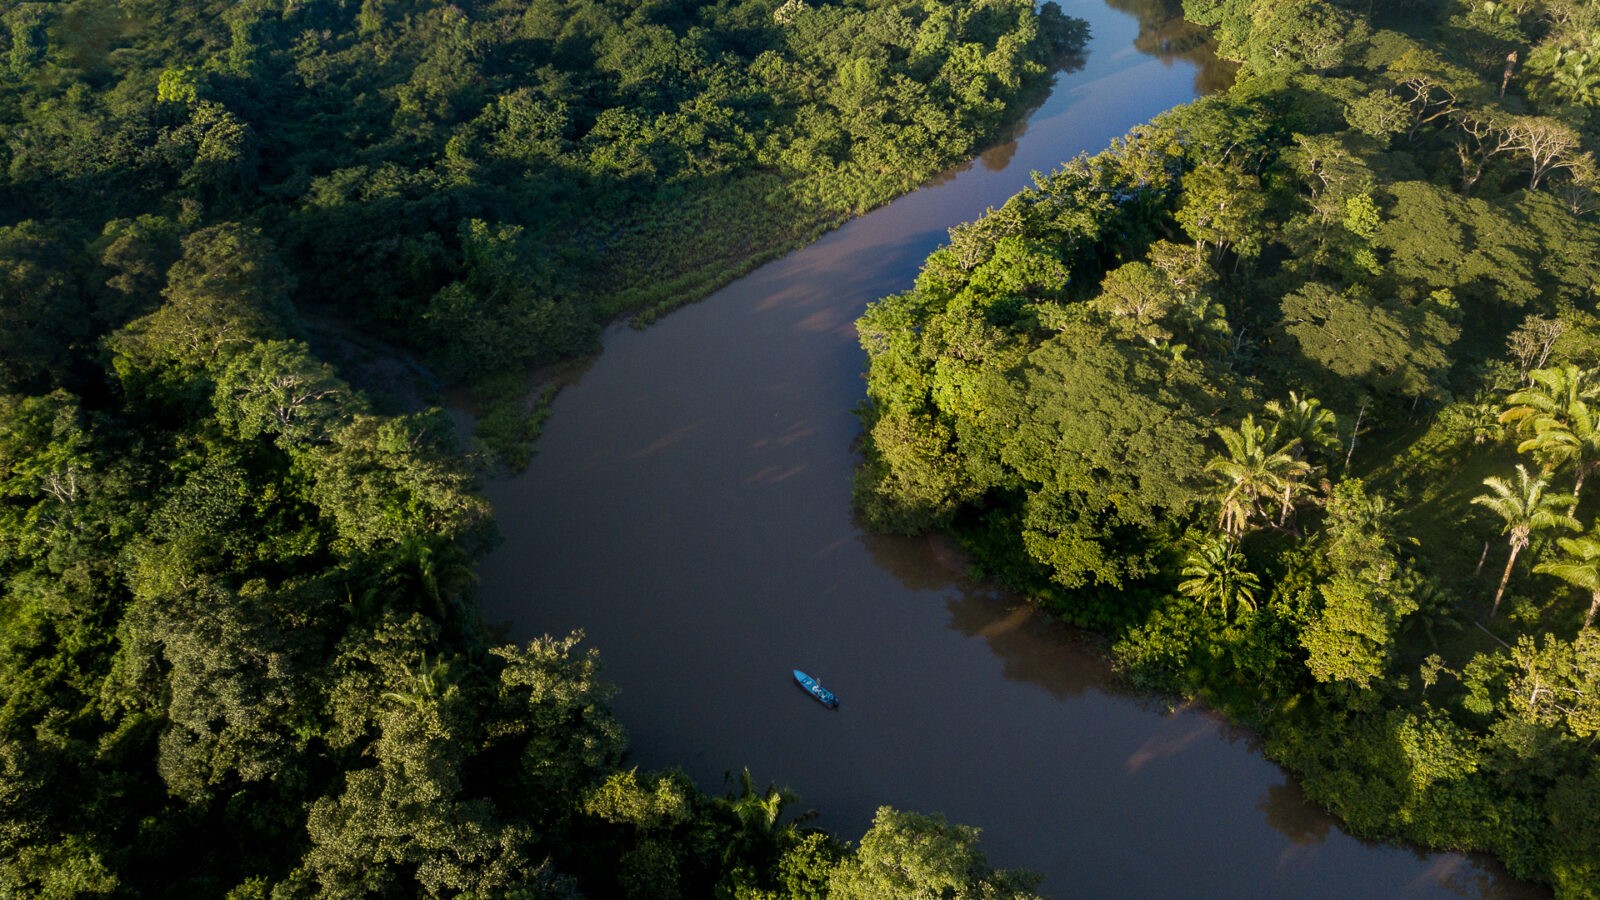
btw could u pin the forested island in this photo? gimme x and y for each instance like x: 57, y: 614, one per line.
x: 1294, y: 393
x: 239, y: 654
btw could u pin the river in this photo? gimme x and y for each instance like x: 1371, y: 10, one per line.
x: 689, y: 508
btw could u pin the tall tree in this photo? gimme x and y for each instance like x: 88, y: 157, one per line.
x: 1252, y: 471
x: 1301, y: 426
x: 1223, y: 208
x: 1557, y: 411
x: 1525, y: 508
x: 761, y: 833
x: 1574, y: 442
x: 1551, y: 393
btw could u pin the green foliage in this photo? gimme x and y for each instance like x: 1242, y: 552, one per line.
x: 1389, y: 348
x: 915, y: 856
x: 1214, y: 571
x: 44, y: 314
x: 495, y: 317
x: 504, y: 178
x: 1257, y: 472
x: 238, y: 652
x: 1365, y: 596
x: 1579, y: 567
x: 1398, y: 224
x: 1524, y: 507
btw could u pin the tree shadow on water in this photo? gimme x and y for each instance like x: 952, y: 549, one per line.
x: 1033, y: 648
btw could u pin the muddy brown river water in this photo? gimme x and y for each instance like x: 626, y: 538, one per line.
x: 689, y: 508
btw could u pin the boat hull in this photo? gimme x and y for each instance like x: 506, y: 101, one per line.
x: 814, y: 687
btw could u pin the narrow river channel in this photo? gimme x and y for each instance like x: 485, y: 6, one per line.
x: 689, y: 508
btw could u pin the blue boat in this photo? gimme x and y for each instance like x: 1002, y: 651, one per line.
x: 815, y: 689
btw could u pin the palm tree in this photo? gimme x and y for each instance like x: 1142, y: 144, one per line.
x: 1550, y: 392
x: 1564, y: 427
x: 1300, y: 427
x: 759, y: 816
x: 429, y: 570
x: 1574, y: 441
x: 1304, y: 420
x: 425, y: 683
x: 1215, y: 571
x: 1580, y: 568
x: 1251, y: 472
x: 1525, y: 507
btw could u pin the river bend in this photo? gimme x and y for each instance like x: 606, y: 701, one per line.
x: 689, y: 508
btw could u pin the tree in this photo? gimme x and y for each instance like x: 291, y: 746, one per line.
x: 278, y: 388
x: 138, y: 252
x: 408, y: 824
x: 1556, y: 408
x: 42, y: 313
x: 1301, y: 427
x: 1574, y: 442
x: 1379, y: 114
x: 1215, y: 570
x: 1302, y: 33
x: 911, y: 856
x: 378, y: 481
x: 648, y: 813
x: 1566, y: 68
x: 551, y: 710
x: 1580, y: 190
x: 1252, y: 471
x: 30, y: 40
x: 1553, y: 685
x: 1550, y: 394
x: 1223, y: 207
x: 1432, y: 87
x: 229, y: 681
x: 1579, y: 567
x: 1365, y: 594
x: 1525, y: 508
x: 1302, y: 424
x: 227, y: 291
x: 761, y: 834
x: 1137, y: 297
x: 1390, y: 347
x: 505, y: 312
x: 1548, y: 144
x: 1482, y: 134
x: 1531, y: 342
x: 46, y: 458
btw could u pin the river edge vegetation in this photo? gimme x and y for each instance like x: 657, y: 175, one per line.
x: 1294, y: 393
x: 238, y: 651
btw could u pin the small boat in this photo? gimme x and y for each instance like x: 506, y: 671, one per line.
x: 815, y: 689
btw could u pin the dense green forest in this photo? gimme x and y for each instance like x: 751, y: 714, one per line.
x: 1294, y: 392
x: 239, y: 654
x: 486, y: 183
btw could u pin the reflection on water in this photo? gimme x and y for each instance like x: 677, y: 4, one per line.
x: 1164, y: 745
x: 1286, y: 809
x: 1166, y: 35
x: 668, y: 440
x: 1034, y: 648
x: 998, y: 157
x: 920, y: 563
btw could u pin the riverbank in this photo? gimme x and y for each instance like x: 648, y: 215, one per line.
x: 690, y: 507
x: 1136, y: 389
